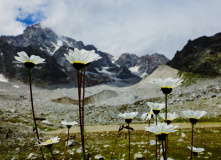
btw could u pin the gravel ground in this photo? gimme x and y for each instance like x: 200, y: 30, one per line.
x: 15, y: 100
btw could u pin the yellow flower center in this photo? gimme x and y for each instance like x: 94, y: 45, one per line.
x: 29, y: 62
x: 193, y: 118
x: 162, y: 133
x: 167, y: 87
x: 149, y: 113
x: 78, y: 62
x: 51, y: 141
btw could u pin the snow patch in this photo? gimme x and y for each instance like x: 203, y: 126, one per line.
x: 2, y: 78
x: 58, y: 44
x: 134, y: 69
x: 111, y: 75
x: 48, y: 50
x: 114, y: 59
x: 64, y: 39
x: 104, y: 70
x: 16, y: 86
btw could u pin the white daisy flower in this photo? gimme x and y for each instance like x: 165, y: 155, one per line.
x: 29, y: 62
x: 196, y: 151
x: 128, y: 116
x: 147, y: 116
x: 170, y: 117
x: 194, y: 115
x: 161, y: 130
x: 155, y: 107
x: 68, y: 124
x: 50, y: 142
x: 168, y: 84
x: 81, y: 58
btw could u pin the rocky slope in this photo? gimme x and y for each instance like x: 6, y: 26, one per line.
x: 104, y: 102
x: 201, y: 56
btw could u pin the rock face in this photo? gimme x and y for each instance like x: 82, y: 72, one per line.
x: 46, y: 73
x: 141, y: 66
x: 57, y: 70
x: 201, y: 56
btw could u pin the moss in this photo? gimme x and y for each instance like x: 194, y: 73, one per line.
x: 189, y: 78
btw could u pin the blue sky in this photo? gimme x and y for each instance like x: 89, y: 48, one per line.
x: 30, y: 18
x: 118, y: 26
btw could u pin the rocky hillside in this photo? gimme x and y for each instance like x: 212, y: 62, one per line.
x: 57, y: 70
x: 141, y: 66
x: 201, y: 56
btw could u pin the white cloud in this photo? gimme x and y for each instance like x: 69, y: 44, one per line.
x: 117, y: 26
x: 10, y: 10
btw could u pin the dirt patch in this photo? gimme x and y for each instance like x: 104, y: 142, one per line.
x: 101, y: 96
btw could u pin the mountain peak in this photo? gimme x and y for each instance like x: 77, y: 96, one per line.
x: 200, y: 56
x: 45, y: 43
x: 141, y: 66
x: 43, y: 38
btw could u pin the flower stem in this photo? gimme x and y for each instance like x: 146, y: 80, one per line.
x: 166, y: 142
x: 33, y: 111
x: 83, y: 96
x: 164, y: 153
x: 156, y: 147
x: 165, y: 108
x: 51, y: 153
x: 66, y: 144
x: 129, y: 139
x: 148, y: 141
x: 147, y: 144
x: 80, y: 113
x: 191, y: 156
x: 159, y: 148
x: 156, y: 138
x: 83, y: 106
x: 156, y: 119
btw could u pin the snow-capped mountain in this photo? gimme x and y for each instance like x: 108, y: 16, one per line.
x: 47, y: 44
x: 140, y: 66
x: 44, y: 39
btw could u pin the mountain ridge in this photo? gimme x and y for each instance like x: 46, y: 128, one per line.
x: 200, y: 56
x: 43, y: 40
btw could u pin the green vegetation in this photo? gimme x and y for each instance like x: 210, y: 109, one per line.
x: 189, y: 78
x: 103, y: 143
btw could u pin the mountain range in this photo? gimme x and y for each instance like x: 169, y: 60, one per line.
x: 44, y: 42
